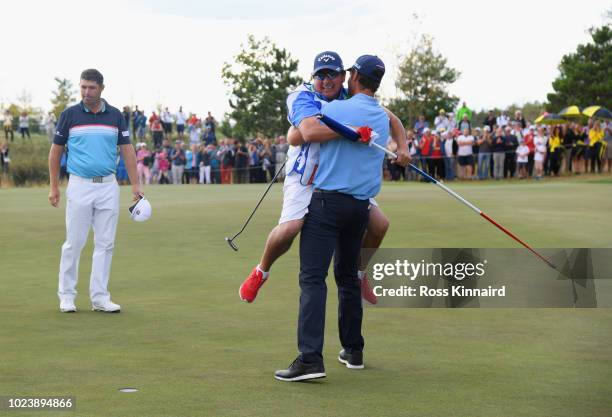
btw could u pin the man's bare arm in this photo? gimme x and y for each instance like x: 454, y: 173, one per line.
x: 55, y: 155
x: 294, y: 137
x: 313, y: 131
x: 398, y: 134
x: 129, y: 157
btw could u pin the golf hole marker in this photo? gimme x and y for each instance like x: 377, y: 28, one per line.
x: 127, y: 389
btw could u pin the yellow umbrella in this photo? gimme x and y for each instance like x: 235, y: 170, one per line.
x: 598, y: 112
x: 571, y: 112
x: 550, y: 119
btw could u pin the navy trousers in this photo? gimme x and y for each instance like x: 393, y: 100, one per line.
x: 334, y: 225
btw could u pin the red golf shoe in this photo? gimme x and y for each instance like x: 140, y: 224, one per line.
x: 250, y: 286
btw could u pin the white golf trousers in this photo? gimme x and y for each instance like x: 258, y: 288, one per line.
x: 89, y: 205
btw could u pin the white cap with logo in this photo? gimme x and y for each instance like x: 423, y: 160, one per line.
x: 141, y: 211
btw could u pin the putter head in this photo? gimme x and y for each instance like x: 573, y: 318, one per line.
x: 231, y: 243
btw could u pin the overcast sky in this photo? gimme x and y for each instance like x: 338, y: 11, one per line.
x: 171, y: 52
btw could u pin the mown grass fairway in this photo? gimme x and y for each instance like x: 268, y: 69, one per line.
x: 193, y: 349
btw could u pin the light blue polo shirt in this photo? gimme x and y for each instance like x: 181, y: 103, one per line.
x: 351, y: 167
x: 92, y: 139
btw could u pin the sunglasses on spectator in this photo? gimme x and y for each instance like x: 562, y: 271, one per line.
x: 322, y: 75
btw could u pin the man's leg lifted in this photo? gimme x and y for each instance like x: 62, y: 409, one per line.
x: 278, y: 243
x: 378, y: 224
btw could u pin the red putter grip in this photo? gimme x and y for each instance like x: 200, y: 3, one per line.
x: 365, y: 134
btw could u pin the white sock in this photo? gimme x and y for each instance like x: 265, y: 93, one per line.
x: 360, y: 274
x: 264, y: 273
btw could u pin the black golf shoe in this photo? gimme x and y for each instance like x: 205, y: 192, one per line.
x: 300, y: 371
x: 351, y: 360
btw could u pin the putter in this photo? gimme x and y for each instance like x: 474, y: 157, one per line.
x: 230, y: 241
x: 351, y: 135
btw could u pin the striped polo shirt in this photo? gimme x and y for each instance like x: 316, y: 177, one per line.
x: 92, y: 139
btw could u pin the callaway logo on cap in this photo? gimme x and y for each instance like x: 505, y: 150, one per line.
x: 327, y: 60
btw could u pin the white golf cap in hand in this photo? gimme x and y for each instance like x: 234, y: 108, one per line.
x: 141, y: 211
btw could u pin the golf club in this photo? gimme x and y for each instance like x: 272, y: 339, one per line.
x: 231, y: 241
x: 351, y: 135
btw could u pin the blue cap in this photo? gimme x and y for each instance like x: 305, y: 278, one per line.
x: 327, y: 60
x: 370, y: 66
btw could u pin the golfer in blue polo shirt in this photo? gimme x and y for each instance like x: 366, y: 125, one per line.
x: 349, y: 175
x: 91, y: 130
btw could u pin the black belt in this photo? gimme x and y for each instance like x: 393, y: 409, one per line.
x: 318, y: 190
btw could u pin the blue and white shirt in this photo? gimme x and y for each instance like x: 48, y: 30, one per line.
x: 91, y: 139
x: 302, y: 103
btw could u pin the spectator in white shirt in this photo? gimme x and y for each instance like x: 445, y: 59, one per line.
x: 441, y: 121
x: 181, y: 118
x: 166, y: 120
x: 539, y: 142
x: 451, y: 121
x: 24, y: 125
x: 195, y: 134
x: 465, y: 154
x: 522, y: 158
x: 503, y: 119
x: 449, y: 150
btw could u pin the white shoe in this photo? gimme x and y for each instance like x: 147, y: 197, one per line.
x: 106, y: 307
x: 67, y: 306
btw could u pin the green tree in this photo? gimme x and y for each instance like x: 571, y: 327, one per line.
x: 259, y: 80
x: 226, y: 127
x: 423, y: 79
x: 63, y: 96
x: 585, y: 76
x: 531, y: 110
x: 14, y: 109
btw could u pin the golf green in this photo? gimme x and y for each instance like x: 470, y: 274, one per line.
x: 191, y: 348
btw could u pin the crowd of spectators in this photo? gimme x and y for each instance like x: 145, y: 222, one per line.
x: 23, y: 125
x: 227, y: 162
x: 181, y: 148
x: 503, y: 147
